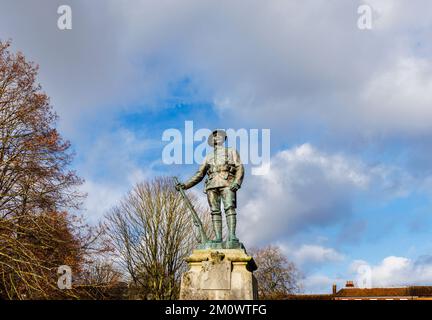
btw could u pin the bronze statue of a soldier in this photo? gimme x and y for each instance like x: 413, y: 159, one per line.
x: 225, y: 175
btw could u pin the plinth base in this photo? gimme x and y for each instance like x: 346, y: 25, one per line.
x: 220, y: 245
x: 219, y: 274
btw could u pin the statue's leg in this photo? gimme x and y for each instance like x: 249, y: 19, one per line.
x: 214, y: 200
x: 229, y: 202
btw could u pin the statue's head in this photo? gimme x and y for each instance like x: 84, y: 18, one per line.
x: 217, y: 138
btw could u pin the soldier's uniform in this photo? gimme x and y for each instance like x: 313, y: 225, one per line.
x: 224, y: 170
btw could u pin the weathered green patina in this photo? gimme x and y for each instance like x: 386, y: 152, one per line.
x: 225, y: 173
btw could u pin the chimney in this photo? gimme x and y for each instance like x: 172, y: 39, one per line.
x: 349, y: 284
x: 334, y: 288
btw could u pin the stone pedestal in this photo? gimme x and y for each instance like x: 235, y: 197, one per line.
x: 219, y: 274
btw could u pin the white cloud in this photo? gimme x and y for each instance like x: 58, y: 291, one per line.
x: 391, y: 15
x: 308, y: 188
x: 111, y: 168
x: 114, y: 156
x: 101, y: 198
x: 399, y: 97
x: 392, y: 271
x: 103, y: 195
x: 304, y: 188
x: 301, y: 60
x: 315, y: 254
x: 398, y: 271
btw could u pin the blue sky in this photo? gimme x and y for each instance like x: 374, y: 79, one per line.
x: 350, y: 113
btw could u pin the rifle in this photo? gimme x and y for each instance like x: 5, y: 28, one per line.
x: 196, y: 220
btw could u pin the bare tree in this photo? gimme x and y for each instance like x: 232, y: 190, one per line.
x: 153, y: 232
x: 101, y: 280
x: 33, y: 155
x: 276, y: 276
x: 32, y: 249
x: 37, y: 234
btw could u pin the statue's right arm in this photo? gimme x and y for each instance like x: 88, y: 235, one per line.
x: 197, y: 177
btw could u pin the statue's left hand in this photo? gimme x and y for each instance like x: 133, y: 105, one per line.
x: 235, y: 187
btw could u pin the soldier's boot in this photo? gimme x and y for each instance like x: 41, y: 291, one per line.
x: 231, y: 222
x: 217, y: 227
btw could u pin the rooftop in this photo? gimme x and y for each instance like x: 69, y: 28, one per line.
x: 352, y: 292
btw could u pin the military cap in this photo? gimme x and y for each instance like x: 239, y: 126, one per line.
x: 218, y: 132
